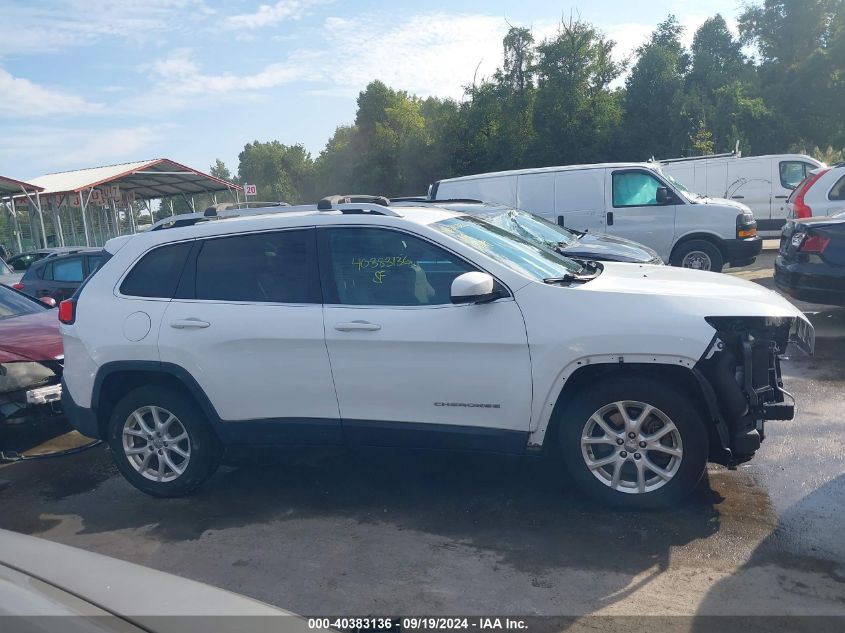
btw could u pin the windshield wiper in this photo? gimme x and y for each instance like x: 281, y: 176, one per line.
x: 563, y: 279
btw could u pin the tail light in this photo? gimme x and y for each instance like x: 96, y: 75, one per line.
x: 17, y: 286
x: 814, y: 244
x: 798, y: 204
x: 67, y: 311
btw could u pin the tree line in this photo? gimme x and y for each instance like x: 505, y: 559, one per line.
x: 779, y: 86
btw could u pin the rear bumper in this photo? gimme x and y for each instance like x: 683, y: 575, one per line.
x: 742, y: 252
x: 811, y: 282
x: 82, y: 419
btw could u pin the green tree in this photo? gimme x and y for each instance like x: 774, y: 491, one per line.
x: 653, y: 92
x: 576, y: 115
x: 281, y: 172
x: 717, y: 57
x: 801, y: 45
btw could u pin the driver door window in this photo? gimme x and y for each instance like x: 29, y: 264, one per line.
x: 635, y: 189
x: 380, y: 267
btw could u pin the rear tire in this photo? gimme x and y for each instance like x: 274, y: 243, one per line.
x: 593, y: 432
x: 161, y: 442
x: 698, y: 255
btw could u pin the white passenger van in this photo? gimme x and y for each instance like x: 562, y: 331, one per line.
x: 636, y: 201
x: 763, y: 183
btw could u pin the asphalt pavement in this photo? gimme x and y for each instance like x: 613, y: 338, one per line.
x: 430, y: 534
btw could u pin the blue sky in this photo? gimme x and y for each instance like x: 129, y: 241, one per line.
x: 95, y: 82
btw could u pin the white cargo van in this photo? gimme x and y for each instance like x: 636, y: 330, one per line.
x: 761, y: 182
x: 632, y: 200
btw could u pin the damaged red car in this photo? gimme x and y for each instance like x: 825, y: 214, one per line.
x: 30, y: 358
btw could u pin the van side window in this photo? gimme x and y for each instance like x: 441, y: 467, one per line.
x: 635, y: 189
x: 792, y: 172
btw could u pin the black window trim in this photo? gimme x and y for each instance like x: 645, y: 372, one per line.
x: 329, y: 288
x: 808, y: 167
x: 676, y: 200
x: 186, y: 288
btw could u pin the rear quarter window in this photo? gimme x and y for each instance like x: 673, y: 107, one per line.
x: 838, y: 191
x: 157, y: 273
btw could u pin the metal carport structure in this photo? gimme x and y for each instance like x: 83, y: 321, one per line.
x: 105, y: 198
x: 10, y: 188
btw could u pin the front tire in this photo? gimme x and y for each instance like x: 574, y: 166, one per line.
x: 634, y: 443
x: 161, y: 442
x: 698, y: 255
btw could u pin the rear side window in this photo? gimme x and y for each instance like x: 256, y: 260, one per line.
x: 838, y: 191
x: 157, y: 274
x: 271, y: 267
x: 68, y: 271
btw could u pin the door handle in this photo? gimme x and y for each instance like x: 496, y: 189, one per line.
x: 781, y: 197
x: 738, y: 197
x: 184, y: 324
x: 357, y: 326
x: 610, y: 218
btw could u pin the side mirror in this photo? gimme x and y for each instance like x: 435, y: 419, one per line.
x: 48, y: 301
x: 474, y: 287
x: 663, y: 195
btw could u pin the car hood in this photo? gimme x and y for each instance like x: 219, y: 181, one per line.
x: 138, y: 594
x: 30, y: 337
x: 609, y: 248
x: 707, y: 293
x: 724, y: 202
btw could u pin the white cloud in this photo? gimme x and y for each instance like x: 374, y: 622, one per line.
x: 23, y: 98
x: 270, y: 14
x: 70, y: 23
x: 180, y: 75
x: 427, y: 54
x: 59, y: 148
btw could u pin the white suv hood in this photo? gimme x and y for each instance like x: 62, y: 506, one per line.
x: 711, y: 294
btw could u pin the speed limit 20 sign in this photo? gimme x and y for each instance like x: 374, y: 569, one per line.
x: 250, y: 190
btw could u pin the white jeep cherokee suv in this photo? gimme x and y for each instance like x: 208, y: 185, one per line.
x: 356, y: 323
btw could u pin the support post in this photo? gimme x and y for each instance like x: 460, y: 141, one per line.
x: 83, y: 202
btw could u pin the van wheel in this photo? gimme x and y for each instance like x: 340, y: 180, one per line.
x: 161, y: 442
x: 698, y: 255
x: 634, y: 442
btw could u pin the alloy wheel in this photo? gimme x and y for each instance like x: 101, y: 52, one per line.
x: 156, y: 444
x: 632, y: 447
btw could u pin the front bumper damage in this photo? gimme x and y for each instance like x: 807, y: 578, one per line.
x: 31, y: 403
x: 740, y: 376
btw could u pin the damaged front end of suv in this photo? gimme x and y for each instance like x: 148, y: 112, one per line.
x: 740, y: 376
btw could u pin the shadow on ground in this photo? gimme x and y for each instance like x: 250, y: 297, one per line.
x: 519, y: 508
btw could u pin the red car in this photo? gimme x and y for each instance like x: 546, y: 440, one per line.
x: 30, y: 358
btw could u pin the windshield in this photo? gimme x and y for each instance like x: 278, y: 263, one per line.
x: 678, y: 186
x: 513, y: 251
x: 13, y: 304
x: 531, y: 227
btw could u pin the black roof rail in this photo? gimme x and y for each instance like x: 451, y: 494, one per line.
x: 225, y: 206
x: 330, y: 202
x: 175, y: 221
x: 438, y: 200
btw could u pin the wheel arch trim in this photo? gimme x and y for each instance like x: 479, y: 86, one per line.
x: 537, y: 434
x: 154, y: 368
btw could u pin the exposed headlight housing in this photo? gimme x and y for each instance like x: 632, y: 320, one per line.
x: 23, y: 375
